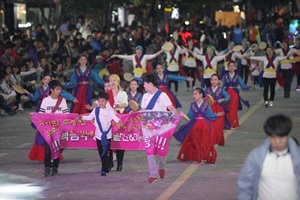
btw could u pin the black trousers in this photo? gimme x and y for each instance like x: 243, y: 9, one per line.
x: 190, y: 72
x: 298, y: 74
x: 255, y: 79
x: 175, y: 82
x: 287, y: 75
x: 120, y: 157
x: 47, y: 157
x: 269, y: 83
x: 105, y: 159
x: 244, y: 73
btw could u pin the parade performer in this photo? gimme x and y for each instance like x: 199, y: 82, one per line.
x: 37, y: 150
x: 221, y: 98
x: 118, y: 100
x: 139, y: 60
x: 163, y: 80
x: 195, y: 136
x: 230, y: 82
x: 286, y: 67
x: 133, y: 95
x: 189, y: 62
x: 210, y: 64
x: 172, y: 60
x: 231, y: 56
x: 296, y: 66
x: 103, y: 117
x: 80, y: 81
x: 269, y: 74
x: 52, y: 104
x: 244, y: 69
x: 155, y: 100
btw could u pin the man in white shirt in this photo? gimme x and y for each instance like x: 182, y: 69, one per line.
x: 272, y: 170
x: 160, y: 103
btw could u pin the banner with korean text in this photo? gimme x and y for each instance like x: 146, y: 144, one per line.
x: 149, y: 130
x: 158, y: 128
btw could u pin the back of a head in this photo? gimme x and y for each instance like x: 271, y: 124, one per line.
x: 278, y: 125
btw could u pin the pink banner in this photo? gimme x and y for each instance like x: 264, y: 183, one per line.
x: 129, y: 136
x: 149, y: 130
x: 63, y: 131
x: 158, y: 128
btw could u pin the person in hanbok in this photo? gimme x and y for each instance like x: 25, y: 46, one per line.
x: 133, y: 94
x: 139, y: 60
x: 221, y: 98
x: 270, y: 74
x: 37, y: 150
x: 209, y: 62
x: 80, y: 82
x: 230, y: 82
x: 195, y: 136
x: 163, y: 80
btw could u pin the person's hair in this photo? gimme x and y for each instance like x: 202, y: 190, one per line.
x: 270, y: 47
x: 46, y: 75
x: 54, y: 83
x: 201, y: 91
x: 278, y: 125
x: 134, y: 80
x: 216, y: 75
x: 9, y: 45
x: 151, y: 78
x: 231, y: 62
x: 117, y: 77
x: 103, y: 95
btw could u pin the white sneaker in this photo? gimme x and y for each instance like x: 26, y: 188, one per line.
x: 298, y: 88
x: 2, y: 113
x: 114, y: 156
x: 20, y: 108
x: 266, y: 104
x: 271, y: 103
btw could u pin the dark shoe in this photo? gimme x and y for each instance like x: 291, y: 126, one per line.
x: 12, y: 112
x: 288, y: 95
x: 152, y: 180
x: 47, y: 171
x: 103, y: 173
x: 119, y: 168
x: 54, y: 171
x: 161, y: 173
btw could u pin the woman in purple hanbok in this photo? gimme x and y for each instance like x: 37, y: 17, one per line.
x: 80, y: 81
x: 221, y: 98
x: 195, y: 136
x: 163, y: 80
x: 231, y: 81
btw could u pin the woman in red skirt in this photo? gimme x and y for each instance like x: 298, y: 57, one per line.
x: 221, y: 98
x: 197, y: 143
x: 231, y: 81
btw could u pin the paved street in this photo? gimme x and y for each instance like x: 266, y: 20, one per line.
x: 79, y: 176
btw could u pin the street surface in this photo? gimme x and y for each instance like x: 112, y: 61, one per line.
x: 79, y: 177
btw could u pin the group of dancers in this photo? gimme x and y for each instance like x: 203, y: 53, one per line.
x: 214, y: 109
